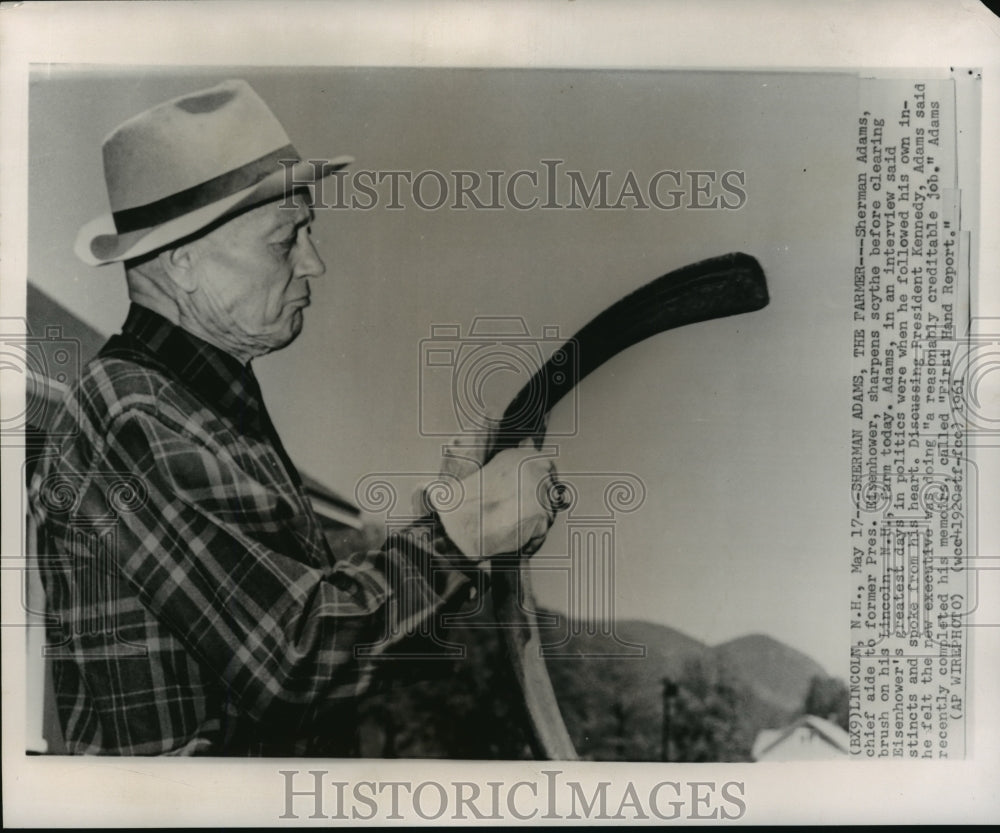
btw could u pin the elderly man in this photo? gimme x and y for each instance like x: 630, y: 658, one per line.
x: 196, y: 606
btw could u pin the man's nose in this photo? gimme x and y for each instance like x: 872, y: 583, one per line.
x: 310, y: 264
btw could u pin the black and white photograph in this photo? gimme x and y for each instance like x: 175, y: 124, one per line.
x: 400, y: 426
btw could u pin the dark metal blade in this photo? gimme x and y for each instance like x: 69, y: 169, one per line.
x: 714, y: 288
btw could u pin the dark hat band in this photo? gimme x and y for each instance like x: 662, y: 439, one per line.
x: 205, y: 193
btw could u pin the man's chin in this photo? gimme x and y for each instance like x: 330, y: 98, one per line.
x: 280, y: 338
x: 295, y: 325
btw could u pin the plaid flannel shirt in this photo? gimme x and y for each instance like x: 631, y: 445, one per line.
x: 194, y: 606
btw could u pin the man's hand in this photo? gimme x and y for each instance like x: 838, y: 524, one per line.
x: 505, y: 506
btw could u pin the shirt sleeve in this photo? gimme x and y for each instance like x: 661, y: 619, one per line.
x: 211, y: 552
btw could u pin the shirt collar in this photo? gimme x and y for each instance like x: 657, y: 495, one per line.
x: 222, y: 381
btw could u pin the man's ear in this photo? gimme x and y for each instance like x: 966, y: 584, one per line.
x: 178, y: 264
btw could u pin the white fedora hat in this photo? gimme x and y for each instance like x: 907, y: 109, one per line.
x: 184, y: 164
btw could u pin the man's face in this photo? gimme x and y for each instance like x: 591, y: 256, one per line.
x: 252, y: 275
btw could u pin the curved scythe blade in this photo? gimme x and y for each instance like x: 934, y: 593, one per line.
x: 714, y: 288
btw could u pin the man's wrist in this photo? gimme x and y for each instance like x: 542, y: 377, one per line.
x: 460, y: 523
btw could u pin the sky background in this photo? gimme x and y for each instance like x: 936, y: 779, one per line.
x: 738, y: 428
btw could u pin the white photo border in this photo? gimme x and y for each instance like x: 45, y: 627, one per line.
x: 888, y: 36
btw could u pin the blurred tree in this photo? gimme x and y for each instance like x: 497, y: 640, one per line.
x: 828, y: 698
x: 707, y: 716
